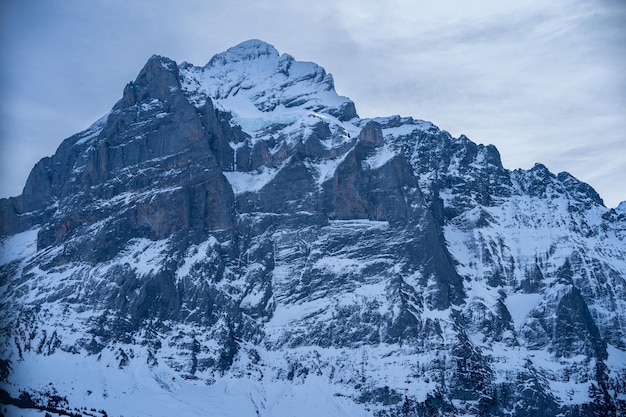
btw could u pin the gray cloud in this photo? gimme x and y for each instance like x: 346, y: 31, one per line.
x: 543, y: 81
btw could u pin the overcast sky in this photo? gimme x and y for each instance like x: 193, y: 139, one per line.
x: 542, y: 80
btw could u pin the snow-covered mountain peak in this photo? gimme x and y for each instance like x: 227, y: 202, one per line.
x: 261, y: 88
x: 233, y: 237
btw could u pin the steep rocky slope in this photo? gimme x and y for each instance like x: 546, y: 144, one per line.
x: 234, y: 240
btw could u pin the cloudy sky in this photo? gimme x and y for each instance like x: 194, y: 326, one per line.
x: 542, y: 80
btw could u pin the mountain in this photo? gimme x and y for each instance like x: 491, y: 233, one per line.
x: 234, y: 240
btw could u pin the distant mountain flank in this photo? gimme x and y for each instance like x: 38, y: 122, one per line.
x: 234, y: 240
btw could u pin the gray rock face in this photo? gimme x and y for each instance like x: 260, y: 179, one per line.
x: 239, y: 222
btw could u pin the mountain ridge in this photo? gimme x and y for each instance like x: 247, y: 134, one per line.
x: 238, y: 227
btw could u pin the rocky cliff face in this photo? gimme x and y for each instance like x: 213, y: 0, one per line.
x: 233, y: 238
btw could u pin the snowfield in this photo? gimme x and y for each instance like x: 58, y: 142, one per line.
x: 233, y: 240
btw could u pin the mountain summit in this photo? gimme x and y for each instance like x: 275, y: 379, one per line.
x: 233, y: 240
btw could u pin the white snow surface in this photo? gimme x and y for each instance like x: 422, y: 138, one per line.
x: 243, y: 182
x: 19, y: 246
x: 260, y: 87
x: 92, y: 131
x: 139, y: 391
x: 509, y: 239
x: 520, y: 305
x: 381, y: 156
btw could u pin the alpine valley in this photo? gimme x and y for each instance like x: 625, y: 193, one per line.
x: 233, y: 240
